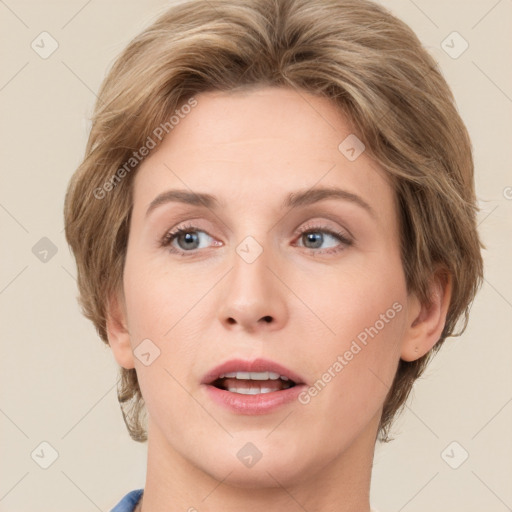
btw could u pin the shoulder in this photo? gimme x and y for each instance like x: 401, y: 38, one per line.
x: 129, y: 501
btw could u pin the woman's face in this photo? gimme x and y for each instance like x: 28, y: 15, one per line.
x: 269, y: 269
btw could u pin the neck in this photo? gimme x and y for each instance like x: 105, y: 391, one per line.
x: 342, y: 483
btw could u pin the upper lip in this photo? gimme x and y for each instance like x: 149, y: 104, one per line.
x: 256, y: 365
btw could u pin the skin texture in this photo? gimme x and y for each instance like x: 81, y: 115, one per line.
x: 206, y: 306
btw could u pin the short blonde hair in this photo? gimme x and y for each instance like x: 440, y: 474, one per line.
x: 353, y: 52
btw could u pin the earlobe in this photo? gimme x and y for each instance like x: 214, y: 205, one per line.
x: 117, y: 332
x: 428, y: 320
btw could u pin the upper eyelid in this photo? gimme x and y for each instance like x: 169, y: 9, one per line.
x: 308, y: 227
x: 317, y: 225
x: 191, y: 215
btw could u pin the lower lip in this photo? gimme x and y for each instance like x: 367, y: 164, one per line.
x: 263, y: 403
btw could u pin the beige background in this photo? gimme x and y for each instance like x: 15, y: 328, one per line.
x: 58, y: 379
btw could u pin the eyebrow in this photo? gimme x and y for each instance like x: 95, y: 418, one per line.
x: 293, y: 200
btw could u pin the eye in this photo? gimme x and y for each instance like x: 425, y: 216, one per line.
x: 315, y: 237
x: 186, y: 237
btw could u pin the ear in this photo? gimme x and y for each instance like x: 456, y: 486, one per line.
x: 426, y: 321
x: 117, y: 331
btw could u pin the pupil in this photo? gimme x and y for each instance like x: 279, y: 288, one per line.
x: 190, y: 238
x: 316, y: 238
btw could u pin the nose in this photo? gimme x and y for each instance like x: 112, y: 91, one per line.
x: 255, y: 296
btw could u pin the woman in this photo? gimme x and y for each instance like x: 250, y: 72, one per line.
x: 274, y: 228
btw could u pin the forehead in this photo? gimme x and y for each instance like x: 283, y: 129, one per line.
x: 259, y: 145
x: 276, y: 116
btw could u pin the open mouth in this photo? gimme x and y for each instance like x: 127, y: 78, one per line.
x: 256, y: 387
x: 252, y: 383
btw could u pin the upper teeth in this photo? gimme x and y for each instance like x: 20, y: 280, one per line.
x: 253, y: 376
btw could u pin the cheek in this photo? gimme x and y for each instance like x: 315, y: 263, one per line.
x: 155, y: 312
x: 154, y: 297
x: 364, y: 310
x: 162, y: 308
x: 366, y: 340
x: 356, y: 296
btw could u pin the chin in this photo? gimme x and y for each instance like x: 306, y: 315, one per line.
x: 273, y: 469
x: 268, y: 476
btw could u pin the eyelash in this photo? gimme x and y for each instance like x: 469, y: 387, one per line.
x: 170, y: 236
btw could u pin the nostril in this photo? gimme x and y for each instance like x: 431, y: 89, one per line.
x: 267, y: 319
